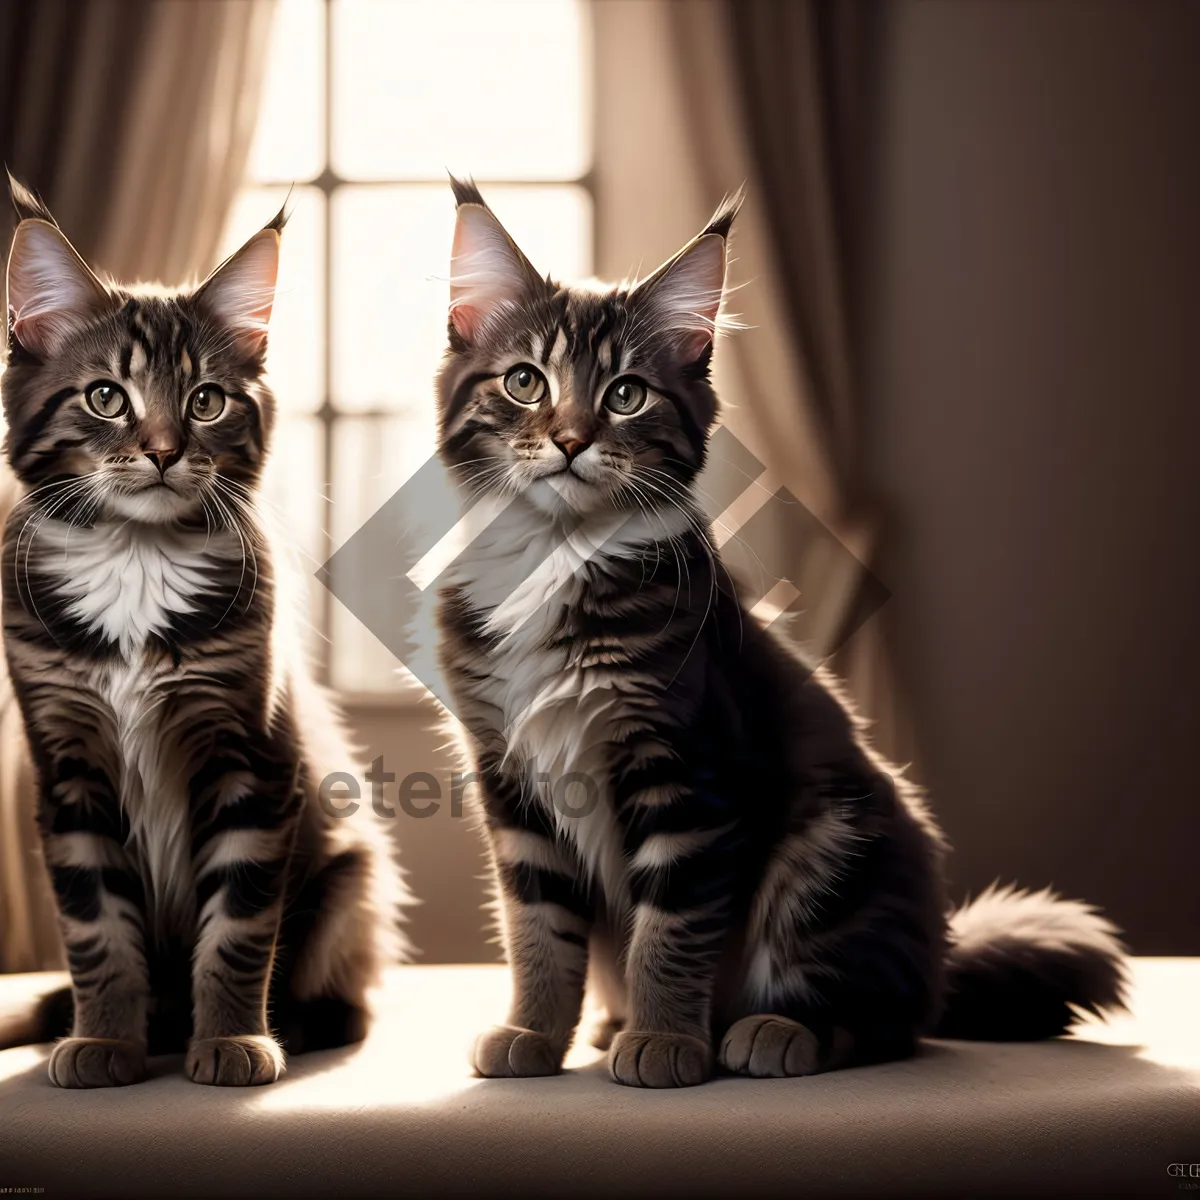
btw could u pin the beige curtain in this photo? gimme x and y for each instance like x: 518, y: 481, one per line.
x: 132, y: 119
x: 693, y: 98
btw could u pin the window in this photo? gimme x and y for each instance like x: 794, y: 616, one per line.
x: 366, y: 104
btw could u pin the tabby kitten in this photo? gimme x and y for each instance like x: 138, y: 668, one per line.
x: 673, y: 801
x: 204, y: 896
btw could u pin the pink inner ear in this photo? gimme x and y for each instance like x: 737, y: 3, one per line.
x: 686, y: 294
x: 32, y: 332
x: 487, y: 271
x: 241, y: 292
x: 51, y: 291
x: 694, y: 344
x: 465, y: 319
x: 694, y: 341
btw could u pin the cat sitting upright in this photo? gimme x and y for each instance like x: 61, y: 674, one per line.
x: 673, y: 800
x: 205, y: 897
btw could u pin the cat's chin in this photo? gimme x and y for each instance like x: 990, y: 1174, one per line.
x: 565, y: 494
x: 152, y: 505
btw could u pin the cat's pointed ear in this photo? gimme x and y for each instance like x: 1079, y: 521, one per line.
x: 685, y: 293
x: 240, y: 293
x: 52, y: 293
x: 487, y: 269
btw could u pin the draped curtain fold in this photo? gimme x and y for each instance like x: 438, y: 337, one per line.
x: 804, y: 72
x: 133, y: 120
x: 774, y: 93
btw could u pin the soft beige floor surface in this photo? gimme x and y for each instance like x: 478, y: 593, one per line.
x: 1106, y: 1113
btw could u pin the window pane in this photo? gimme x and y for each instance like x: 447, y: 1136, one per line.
x: 492, y: 88
x: 391, y: 289
x: 296, y: 352
x: 289, y: 141
x: 372, y: 457
x: 295, y: 508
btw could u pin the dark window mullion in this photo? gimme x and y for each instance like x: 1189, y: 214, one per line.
x: 326, y: 414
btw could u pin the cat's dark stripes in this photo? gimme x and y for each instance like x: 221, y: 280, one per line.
x: 204, y: 895
x: 674, y: 802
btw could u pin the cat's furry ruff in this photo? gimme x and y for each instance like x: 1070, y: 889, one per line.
x: 206, y: 898
x: 753, y: 886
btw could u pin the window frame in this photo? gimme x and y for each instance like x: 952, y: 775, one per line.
x: 328, y: 182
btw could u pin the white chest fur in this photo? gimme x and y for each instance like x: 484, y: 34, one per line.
x: 126, y: 580
x: 153, y: 785
x: 558, y: 719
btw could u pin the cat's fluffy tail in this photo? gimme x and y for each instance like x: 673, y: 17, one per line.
x: 46, y: 1020
x: 1022, y: 965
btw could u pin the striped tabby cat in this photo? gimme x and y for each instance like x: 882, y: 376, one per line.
x: 204, y: 896
x: 672, y: 801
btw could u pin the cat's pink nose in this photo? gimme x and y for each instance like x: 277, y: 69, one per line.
x: 571, y: 445
x: 162, y: 457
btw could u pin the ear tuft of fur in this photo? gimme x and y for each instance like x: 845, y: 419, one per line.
x: 465, y: 192
x: 281, y: 218
x: 1023, y: 965
x: 727, y: 210
x: 27, y: 203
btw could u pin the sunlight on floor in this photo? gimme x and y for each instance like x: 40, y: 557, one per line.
x: 397, y: 1068
x: 1165, y: 1027
x: 393, y: 1068
x: 15, y: 992
x: 16, y: 1062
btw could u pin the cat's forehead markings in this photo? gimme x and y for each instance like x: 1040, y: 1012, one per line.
x: 185, y: 361
x: 553, y: 357
x: 139, y: 322
x: 137, y: 359
x: 136, y: 401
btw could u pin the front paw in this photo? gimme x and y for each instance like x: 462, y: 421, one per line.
x: 508, y: 1052
x: 659, y: 1060
x: 243, y: 1061
x: 770, y: 1047
x: 81, y: 1062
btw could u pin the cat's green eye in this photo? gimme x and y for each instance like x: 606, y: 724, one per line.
x: 207, y: 403
x: 525, y: 384
x: 625, y: 397
x: 106, y: 400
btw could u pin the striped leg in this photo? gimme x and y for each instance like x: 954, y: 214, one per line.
x: 682, y: 884
x: 546, y: 917
x: 245, y: 813
x: 671, y: 968
x: 101, y: 908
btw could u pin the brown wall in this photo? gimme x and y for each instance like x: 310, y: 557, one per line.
x: 1033, y: 375
x: 442, y: 854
